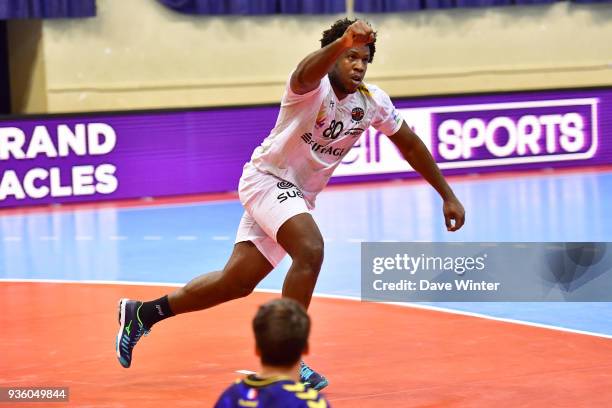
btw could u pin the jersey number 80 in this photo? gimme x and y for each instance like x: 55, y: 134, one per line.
x: 334, y: 130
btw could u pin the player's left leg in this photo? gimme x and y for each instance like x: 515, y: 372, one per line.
x: 301, y: 238
x: 246, y: 267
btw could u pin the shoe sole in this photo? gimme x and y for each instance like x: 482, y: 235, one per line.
x: 121, y: 320
x: 322, y: 385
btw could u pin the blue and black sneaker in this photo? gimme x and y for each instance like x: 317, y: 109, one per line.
x: 311, y: 378
x: 131, y: 330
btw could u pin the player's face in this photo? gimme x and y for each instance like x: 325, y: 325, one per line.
x: 350, y: 69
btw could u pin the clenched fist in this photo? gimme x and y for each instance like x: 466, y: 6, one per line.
x: 359, y: 33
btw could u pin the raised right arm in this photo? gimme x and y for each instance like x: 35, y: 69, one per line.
x: 316, y: 65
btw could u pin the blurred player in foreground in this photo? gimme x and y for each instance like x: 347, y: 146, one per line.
x: 281, y: 330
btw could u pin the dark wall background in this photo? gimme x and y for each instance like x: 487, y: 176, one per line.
x: 5, y: 92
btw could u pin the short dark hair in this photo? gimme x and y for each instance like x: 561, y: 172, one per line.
x: 337, y: 30
x: 281, y: 329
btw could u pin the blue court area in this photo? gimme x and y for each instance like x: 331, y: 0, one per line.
x: 174, y: 243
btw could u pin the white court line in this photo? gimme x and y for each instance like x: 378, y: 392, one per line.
x: 152, y: 238
x: 12, y: 239
x: 328, y: 296
x: 94, y: 282
x: 117, y: 237
x: 83, y: 238
x: 156, y: 206
x: 245, y: 372
x: 187, y: 237
x: 150, y: 205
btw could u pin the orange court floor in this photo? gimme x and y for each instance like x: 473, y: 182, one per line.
x: 375, y: 355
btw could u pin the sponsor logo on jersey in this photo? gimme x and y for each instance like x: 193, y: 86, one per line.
x: 357, y: 114
x: 284, y: 185
x: 252, y: 394
x: 293, y: 192
x: 318, y: 148
x: 354, y: 131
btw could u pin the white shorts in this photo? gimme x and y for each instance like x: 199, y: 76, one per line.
x: 268, y: 202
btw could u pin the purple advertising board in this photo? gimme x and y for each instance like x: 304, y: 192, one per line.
x: 110, y: 156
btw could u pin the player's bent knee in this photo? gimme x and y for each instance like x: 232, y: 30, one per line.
x: 235, y: 286
x: 310, y: 254
x: 240, y: 289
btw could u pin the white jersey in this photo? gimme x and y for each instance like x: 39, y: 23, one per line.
x: 315, y: 131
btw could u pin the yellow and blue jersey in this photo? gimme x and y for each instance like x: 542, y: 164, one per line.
x: 273, y: 392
